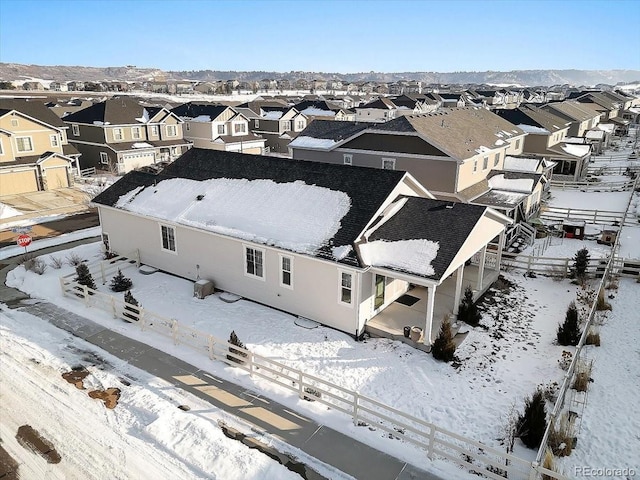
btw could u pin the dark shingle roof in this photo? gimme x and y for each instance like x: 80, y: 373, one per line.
x: 33, y: 108
x: 331, y: 130
x: 367, y: 188
x: 115, y: 111
x: 423, y: 218
x: 193, y: 110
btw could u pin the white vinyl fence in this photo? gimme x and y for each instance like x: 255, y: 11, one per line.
x: 437, y: 442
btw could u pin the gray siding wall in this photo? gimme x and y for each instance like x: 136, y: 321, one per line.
x: 88, y: 133
x: 91, y: 156
x: 316, y: 286
x: 535, y: 143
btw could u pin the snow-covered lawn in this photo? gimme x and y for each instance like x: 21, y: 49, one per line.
x: 501, y: 361
x: 604, y: 201
x: 14, y: 250
x: 7, y: 211
x: 144, y: 436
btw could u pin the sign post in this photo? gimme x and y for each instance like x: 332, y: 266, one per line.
x: 24, y: 240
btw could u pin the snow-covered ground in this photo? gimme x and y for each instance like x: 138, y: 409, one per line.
x: 501, y: 361
x: 604, y: 201
x: 14, y: 250
x: 144, y: 436
x: 7, y: 211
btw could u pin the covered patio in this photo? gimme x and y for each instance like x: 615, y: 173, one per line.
x: 412, y: 308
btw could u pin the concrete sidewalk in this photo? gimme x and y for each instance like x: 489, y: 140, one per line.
x: 327, y: 445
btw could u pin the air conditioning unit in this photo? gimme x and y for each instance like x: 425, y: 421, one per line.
x: 203, y: 288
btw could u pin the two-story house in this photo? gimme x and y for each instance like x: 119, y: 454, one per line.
x: 278, y: 125
x: 34, y: 151
x: 545, y: 138
x: 120, y: 135
x: 218, y: 127
x: 579, y: 115
x: 325, y: 110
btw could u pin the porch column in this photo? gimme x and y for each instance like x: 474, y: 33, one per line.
x: 483, y: 258
x: 458, y: 293
x: 501, y: 240
x: 431, y: 298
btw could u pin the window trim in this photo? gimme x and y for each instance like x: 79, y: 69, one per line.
x: 30, y: 144
x: 14, y: 122
x: 485, y: 163
x: 341, y: 287
x: 136, y: 133
x: 393, y: 163
x: 281, y: 258
x: 154, y: 130
x: 262, y: 251
x: 175, y: 242
x: 256, y: 123
x: 347, y: 159
x: 475, y: 166
x: 496, y: 159
x: 117, y: 132
x: 239, y: 127
x: 222, y: 129
x: 173, y: 128
x: 103, y: 156
x: 55, y: 140
x: 1, y: 148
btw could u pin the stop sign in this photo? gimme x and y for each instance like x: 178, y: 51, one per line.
x: 24, y: 240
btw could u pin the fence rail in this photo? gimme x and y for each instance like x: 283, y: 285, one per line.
x: 612, y: 170
x: 597, y: 217
x: 364, y: 411
x: 624, y: 186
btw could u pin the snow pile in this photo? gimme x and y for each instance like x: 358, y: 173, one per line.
x: 199, y: 118
x: 7, y: 211
x: 499, y: 182
x: 413, y: 256
x: 576, y: 150
x: 141, y: 145
x: 145, y: 116
x: 533, y: 129
x: 310, y: 142
x: 340, y: 252
x: 261, y: 211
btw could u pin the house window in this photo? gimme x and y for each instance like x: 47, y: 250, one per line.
x: 220, y: 129
x: 174, y: 151
x: 300, y: 125
x: 105, y: 242
x: 117, y: 134
x: 14, y: 122
x: 75, y: 129
x: 388, y: 163
x: 485, y: 163
x: 286, y: 126
x: 253, y: 261
x: 475, y: 166
x: 256, y: 123
x: 239, y: 128
x: 345, y: 287
x: 518, y: 143
x: 172, y: 131
x: 168, y: 238
x: 104, y: 158
x: 187, y: 126
x: 135, y: 133
x: 1, y: 149
x: 347, y: 159
x: 154, y: 130
x: 286, y: 270
x: 24, y: 144
x: 496, y: 160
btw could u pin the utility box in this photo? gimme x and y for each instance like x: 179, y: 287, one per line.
x: 203, y: 288
x: 608, y: 237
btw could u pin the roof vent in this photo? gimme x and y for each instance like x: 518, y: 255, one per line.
x: 450, y: 205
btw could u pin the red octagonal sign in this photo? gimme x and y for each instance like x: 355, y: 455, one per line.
x: 24, y: 240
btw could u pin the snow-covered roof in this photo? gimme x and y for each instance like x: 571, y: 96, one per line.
x: 199, y: 118
x: 413, y: 256
x: 533, y: 129
x: 500, y: 182
x: 595, y: 134
x: 310, y: 142
x: 272, y: 115
x: 141, y: 145
x: 606, y: 127
x: 317, y: 112
x: 521, y: 164
x: 260, y: 211
x: 576, y: 150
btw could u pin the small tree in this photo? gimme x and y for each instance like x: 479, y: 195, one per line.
x: 468, y: 311
x: 580, y: 264
x: 569, y: 330
x: 444, y: 347
x: 120, y: 283
x: 83, y: 276
x: 129, y: 300
x: 234, y: 340
x: 532, y: 424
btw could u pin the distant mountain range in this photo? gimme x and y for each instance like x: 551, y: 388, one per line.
x: 16, y: 71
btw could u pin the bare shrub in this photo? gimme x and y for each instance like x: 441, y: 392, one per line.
x: 593, y: 337
x: 548, y: 462
x: 582, y: 376
x: 613, y: 284
x: 235, y: 353
x: 602, y: 304
x: 26, y: 258
x: 56, y: 263
x: 550, y: 391
x: 565, y: 361
x: 561, y: 436
x: 73, y: 259
x: 39, y: 266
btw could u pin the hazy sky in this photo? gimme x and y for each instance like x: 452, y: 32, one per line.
x: 330, y: 36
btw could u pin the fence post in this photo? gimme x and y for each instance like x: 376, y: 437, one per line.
x: 300, y: 389
x: 211, y: 343
x: 533, y: 473
x: 566, y: 267
x: 113, y: 307
x: 174, y: 331
x: 102, y: 273
x: 137, y: 258
x: 432, y: 441
x: 63, y: 287
x: 141, y: 319
x: 529, y: 263
x: 251, y: 360
x: 355, y: 408
x: 85, y: 292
